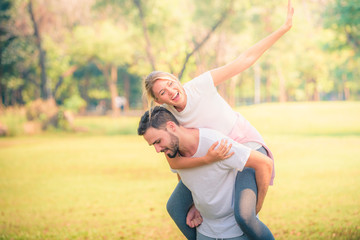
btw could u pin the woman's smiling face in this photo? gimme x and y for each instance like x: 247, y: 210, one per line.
x: 169, y: 92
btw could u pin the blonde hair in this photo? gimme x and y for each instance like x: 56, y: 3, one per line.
x: 149, y: 82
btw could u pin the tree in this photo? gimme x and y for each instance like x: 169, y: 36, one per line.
x: 44, y: 84
x: 17, y: 71
x: 98, y: 49
x: 106, y: 44
x: 5, y: 40
x: 343, y: 18
x: 199, y: 44
x: 144, y: 27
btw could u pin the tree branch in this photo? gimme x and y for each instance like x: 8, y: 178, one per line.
x: 67, y: 73
x: 206, y: 38
x: 352, y: 40
x: 45, y: 90
x: 148, y: 47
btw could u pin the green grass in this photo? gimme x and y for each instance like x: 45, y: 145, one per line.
x: 105, y: 125
x: 306, y: 119
x: 110, y: 186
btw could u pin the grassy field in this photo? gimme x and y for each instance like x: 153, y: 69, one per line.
x: 111, y: 186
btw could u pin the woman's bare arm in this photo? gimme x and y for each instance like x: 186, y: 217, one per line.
x: 214, y: 154
x: 251, y: 55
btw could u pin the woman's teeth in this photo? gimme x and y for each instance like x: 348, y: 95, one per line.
x: 175, y: 96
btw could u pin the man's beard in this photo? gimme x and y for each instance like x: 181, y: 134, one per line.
x: 174, y: 146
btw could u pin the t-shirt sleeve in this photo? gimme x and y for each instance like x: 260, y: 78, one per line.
x: 239, y: 159
x: 202, y: 84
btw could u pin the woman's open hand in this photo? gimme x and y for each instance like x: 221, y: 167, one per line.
x: 290, y: 12
x: 220, y: 153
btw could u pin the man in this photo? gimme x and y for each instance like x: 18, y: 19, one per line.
x: 212, y: 185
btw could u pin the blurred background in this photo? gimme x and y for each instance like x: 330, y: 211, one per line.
x: 89, y: 57
x: 71, y: 163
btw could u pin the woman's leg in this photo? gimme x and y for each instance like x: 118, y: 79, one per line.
x: 245, y: 206
x: 178, y: 206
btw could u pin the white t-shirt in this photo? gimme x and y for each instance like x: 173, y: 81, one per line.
x: 212, y: 186
x: 204, y: 104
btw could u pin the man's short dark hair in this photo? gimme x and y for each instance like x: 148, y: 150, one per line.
x: 158, y: 118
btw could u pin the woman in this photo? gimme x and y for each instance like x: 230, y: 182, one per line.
x: 198, y: 104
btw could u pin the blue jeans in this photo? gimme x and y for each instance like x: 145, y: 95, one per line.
x: 244, y: 207
x: 178, y: 206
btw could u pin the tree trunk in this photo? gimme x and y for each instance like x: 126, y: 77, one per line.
x: 127, y: 91
x: 316, y: 91
x: 222, y: 87
x: 313, y: 94
x: 257, y: 84
x: 268, y: 89
x: 346, y: 90
x: 44, y: 85
x: 84, y: 91
x: 113, y: 90
x: 312, y: 90
x: 282, y: 88
x: 2, y: 94
x: 18, y: 96
x: 111, y: 82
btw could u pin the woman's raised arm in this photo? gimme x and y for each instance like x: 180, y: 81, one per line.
x: 251, y: 55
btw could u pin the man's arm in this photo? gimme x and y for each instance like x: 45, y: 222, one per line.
x: 263, y: 170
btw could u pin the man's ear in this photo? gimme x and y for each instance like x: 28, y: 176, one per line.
x: 171, y: 126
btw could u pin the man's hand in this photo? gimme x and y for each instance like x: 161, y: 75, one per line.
x: 193, y: 218
x: 220, y: 153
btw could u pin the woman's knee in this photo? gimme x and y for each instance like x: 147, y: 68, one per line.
x: 244, y: 218
x: 245, y: 197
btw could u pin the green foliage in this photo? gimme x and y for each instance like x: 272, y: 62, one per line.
x: 58, y: 60
x: 75, y: 103
x: 108, y: 126
x: 17, y: 63
x: 98, y: 94
x: 343, y: 17
x: 105, y: 42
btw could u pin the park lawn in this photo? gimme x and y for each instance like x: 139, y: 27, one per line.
x: 108, y: 186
